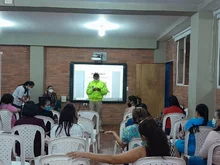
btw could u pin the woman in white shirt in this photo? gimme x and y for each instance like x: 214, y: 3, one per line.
x: 212, y: 137
x: 22, y: 93
x: 67, y: 124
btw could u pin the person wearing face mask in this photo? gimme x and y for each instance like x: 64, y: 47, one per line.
x: 44, y: 109
x: 22, y: 94
x: 96, y: 90
x: 132, y: 102
x: 212, y: 137
x: 52, y: 95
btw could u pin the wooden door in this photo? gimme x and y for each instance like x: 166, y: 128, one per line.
x: 150, y: 86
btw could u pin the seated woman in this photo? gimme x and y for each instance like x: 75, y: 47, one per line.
x: 142, y: 105
x: 45, y: 108
x: 154, y: 138
x: 131, y: 131
x: 174, y: 107
x: 210, y: 139
x: 202, y: 113
x: 52, y: 95
x: 6, y: 104
x: 132, y: 102
x: 28, y: 113
x: 67, y: 124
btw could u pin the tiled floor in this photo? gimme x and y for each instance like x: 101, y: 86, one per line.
x: 107, y: 142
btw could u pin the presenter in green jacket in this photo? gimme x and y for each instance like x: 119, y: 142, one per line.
x: 95, y: 91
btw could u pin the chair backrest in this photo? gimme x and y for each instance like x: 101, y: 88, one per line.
x: 134, y: 143
x: 160, y: 161
x: 173, y: 118
x: 46, y: 120
x: 5, y: 119
x: 122, y: 126
x: 177, y: 124
x: 27, y: 132
x: 62, y: 160
x: 200, y: 137
x: 127, y: 116
x: 187, y: 112
x: 90, y: 115
x: 211, y: 150
x: 87, y: 125
x: 56, y: 114
x: 7, y: 143
x: 66, y: 144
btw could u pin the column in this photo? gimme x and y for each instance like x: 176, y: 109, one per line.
x: 202, y: 82
x: 37, y: 71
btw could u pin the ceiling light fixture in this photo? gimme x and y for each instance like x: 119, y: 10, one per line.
x: 102, y: 26
x: 5, y: 23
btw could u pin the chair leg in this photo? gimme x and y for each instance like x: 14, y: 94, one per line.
x: 98, y: 141
x: 115, y: 148
x: 94, y: 147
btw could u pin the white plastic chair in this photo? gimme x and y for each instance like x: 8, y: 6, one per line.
x: 7, y: 143
x: 176, y: 126
x: 90, y: 115
x: 62, y: 160
x: 46, y: 120
x: 134, y: 143
x: 56, y: 113
x: 211, y: 150
x: 88, y: 127
x: 122, y: 126
x: 199, y: 139
x: 5, y: 119
x: 173, y: 118
x: 160, y: 161
x: 127, y: 116
x: 27, y: 132
x: 187, y: 112
x: 66, y: 144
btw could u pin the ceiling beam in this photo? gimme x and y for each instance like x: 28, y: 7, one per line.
x: 210, y: 5
x: 101, y: 7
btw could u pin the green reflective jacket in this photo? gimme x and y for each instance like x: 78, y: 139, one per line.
x: 96, y: 95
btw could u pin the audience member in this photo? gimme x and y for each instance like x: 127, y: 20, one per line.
x: 6, y: 104
x: 67, y: 124
x: 132, y: 102
x: 201, y: 120
x: 142, y: 105
x: 174, y: 107
x: 28, y: 113
x: 131, y: 131
x: 210, y: 139
x: 52, y: 95
x: 153, y: 136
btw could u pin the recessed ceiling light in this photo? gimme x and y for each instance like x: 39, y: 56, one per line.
x: 102, y: 25
x: 5, y: 23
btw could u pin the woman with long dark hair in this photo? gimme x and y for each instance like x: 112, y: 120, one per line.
x: 131, y: 132
x: 67, y: 124
x: 49, y: 93
x: 174, y: 107
x: 202, y: 113
x: 153, y: 136
x: 212, y: 137
x: 22, y: 93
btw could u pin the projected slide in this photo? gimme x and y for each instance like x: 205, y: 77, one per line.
x: 114, y: 75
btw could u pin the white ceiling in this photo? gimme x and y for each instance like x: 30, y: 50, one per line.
x: 73, y: 24
x: 142, y: 1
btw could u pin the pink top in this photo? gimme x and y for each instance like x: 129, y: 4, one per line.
x: 212, y: 137
x: 10, y: 108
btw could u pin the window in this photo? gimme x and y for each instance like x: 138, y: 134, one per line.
x: 182, y: 67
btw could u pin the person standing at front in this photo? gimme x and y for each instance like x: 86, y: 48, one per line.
x: 95, y: 91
